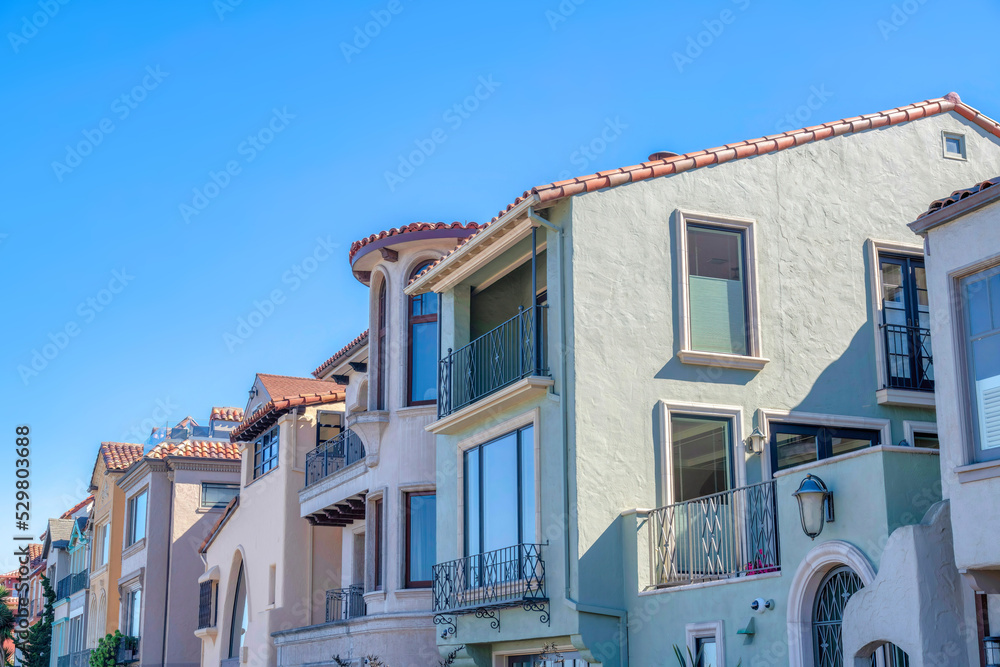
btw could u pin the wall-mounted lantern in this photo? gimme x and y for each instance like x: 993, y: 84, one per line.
x: 755, y: 441
x: 815, y: 505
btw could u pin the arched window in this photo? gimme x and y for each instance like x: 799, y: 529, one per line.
x: 828, y: 614
x: 422, y: 346
x: 238, y: 626
x: 380, y: 402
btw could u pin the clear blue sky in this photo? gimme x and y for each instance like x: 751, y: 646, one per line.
x: 163, y: 95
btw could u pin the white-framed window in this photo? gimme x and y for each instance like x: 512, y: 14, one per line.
x: 132, y: 612
x: 704, y: 451
x: 980, y: 346
x: 921, y: 434
x: 706, y: 642
x: 953, y: 145
x: 717, y: 281
x: 135, y: 520
x: 215, y: 495
x: 102, y: 544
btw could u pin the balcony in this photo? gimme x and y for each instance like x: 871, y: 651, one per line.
x: 725, y: 535
x: 343, y: 450
x: 909, y: 363
x: 79, y: 658
x: 512, y: 351
x: 485, y: 583
x: 128, y: 650
x: 79, y: 581
x: 343, y: 604
x: 62, y: 661
x: 63, y: 587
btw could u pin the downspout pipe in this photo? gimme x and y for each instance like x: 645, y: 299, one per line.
x: 570, y: 602
x: 170, y: 549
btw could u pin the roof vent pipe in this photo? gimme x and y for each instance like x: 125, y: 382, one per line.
x: 661, y: 155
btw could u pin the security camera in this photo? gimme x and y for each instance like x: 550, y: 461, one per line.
x: 760, y: 605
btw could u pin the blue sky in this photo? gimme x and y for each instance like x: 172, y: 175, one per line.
x: 168, y: 166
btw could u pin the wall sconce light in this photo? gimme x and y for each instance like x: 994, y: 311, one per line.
x: 815, y: 505
x: 755, y: 441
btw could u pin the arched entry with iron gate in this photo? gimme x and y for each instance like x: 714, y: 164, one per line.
x: 837, y: 587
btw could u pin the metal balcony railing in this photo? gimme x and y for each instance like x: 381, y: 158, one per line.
x: 508, y: 577
x: 340, y: 451
x: 991, y: 649
x: 909, y: 362
x: 62, y: 588
x: 62, y: 661
x: 80, y: 658
x: 343, y: 604
x: 128, y: 650
x: 79, y: 581
x: 512, y: 351
x: 729, y: 534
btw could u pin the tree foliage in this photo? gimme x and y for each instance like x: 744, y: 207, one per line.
x: 106, y: 653
x: 37, y: 648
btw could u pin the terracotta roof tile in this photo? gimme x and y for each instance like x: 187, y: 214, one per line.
x: 35, y: 551
x: 959, y: 195
x: 350, y: 347
x: 76, y: 508
x: 227, y: 414
x: 286, y: 392
x: 548, y: 194
x: 120, y: 455
x: 405, y: 229
x: 202, y: 449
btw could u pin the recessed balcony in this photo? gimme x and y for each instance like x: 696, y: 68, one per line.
x: 339, y: 452
x: 344, y: 604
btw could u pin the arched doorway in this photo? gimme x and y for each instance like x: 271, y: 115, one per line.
x: 836, y: 589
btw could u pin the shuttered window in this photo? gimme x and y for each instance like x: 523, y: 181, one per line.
x: 981, y: 300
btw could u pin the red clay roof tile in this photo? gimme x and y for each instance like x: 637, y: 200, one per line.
x: 120, y: 455
x: 76, y: 508
x: 342, y: 352
x: 227, y: 414
x: 202, y: 449
x: 286, y: 392
x: 406, y: 229
x: 959, y: 195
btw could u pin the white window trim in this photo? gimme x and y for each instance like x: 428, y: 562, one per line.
x: 766, y: 416
x: 714, y: 629
x: 945, y: 135
x: 911, y: 427
x: 530, y: 418
x: 128, y: 518
x: 884, y: 395
x: 738, y: 453
x: 753, y: 361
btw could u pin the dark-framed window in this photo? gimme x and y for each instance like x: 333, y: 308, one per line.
x: 706, y: 651
x: 328, y: 426
x: 500, y: 492
x: 906, y: 322
x: 421, y: 530
x: 135, y: 528
x: 377, y: 519
x: 700, y: 455
x: 797, y: 444
x: 926, y: 440
x: 215, y: 495
x: 421, y: 364
x: 717, y: 289
x: 265, y: 453
x: 980, y: 298
x: 133, y: 612
x: 380, y: 381
x: 240, y: 615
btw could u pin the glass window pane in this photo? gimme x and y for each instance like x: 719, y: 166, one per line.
x: 423, y: 380
x: 140, y: 517
x: 472, y: 509
x: 528, y: 485
x: 422, y: 534
x: 707, y: 652
x: 700, y: 454
x: 995, y: 300
x: 893, y: 293
x: 953, y: 145
x: 218, y: 495
x: 978, y: 306
x: 328, y: 425
x: 840, y: 445
x: 716, y: 289
x: 135, y: 612
x: 499, y: 511
x: 926, y: 440
x: 795, y: 449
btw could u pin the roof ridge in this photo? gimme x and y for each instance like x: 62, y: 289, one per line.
x: 344, y: 350
x: 294, y: 377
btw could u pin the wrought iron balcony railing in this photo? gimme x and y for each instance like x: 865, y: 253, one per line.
x: 991, y: 649
x: 484, y: 583
x: 80, y: 658
x: 729, y: 534
x: 62, y: 661
x: 512, y: 351
x: 79, y: 581
x: 909, y: 362
x: 206, y: 604
x: 343, y: 604
x: 128, y: 650
x: 62, y: 588
x: 340, y: 451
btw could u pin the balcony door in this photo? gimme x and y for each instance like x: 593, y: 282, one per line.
x: 906, y: 323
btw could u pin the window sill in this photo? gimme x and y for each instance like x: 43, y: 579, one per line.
x: 374, y: 596
x: 206, y: 633
x: 905, y: 397
x: 134, y: 548
x: 709, y: 584
x: 717, y: 360
x: 491, y: 405
x: 978, y: 471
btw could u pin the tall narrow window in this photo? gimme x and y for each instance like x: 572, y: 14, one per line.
x: 136, y: 528
x: 265, y: 453
x: 500, y: 493
x: 133, y: 612
x: 906, y: 323
x: 717, y: 290
x: 377, y: 543
x: 238, y: 625
x: 420, y: 538
x: 422, y: 350
x: 981, y: 301
x: 380, y: 381
x: 699, y: 453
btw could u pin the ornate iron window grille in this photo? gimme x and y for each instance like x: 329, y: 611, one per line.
x: 206, y: 608
x: 729, y: 534
x: 511, y: 352
x: 482, y: 584
x: 909, y: 362
x: 342, y: 450
x: 343, y: 604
